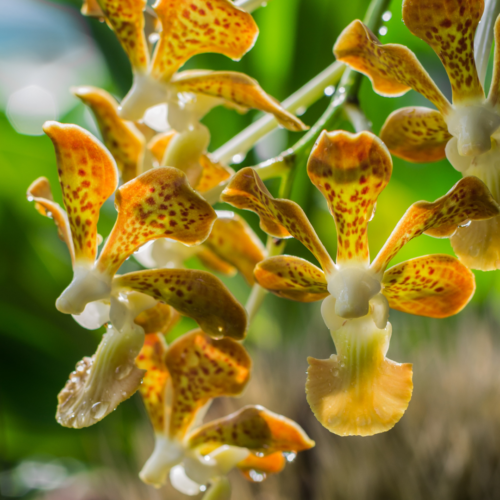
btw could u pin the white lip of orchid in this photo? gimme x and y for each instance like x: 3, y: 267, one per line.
x: 125, y: 307
x: 473, y: 125
x: 88, y: 285
x: 94, y: 315
x: 164, y: 253
x: 145, y: 93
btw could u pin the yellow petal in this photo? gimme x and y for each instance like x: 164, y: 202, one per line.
x: 263, y: 466
x: 193, y: 27
x: 478, y: 245
x: 212, y: 175
x: 436, y: 286
x: 233, y: 240
x: 350, y: 170
x: 196, y: 294
x: 91, y: 8
x: 126, y: 19
x: 152, y: 360
x: 158, y: 319
x: 468, y: 200
x: 100, y: 383
x: 392, y: 68
x: 449, y: 28
x: 238, y: 89
x: 39, y: 191
x: 122, y: 138
x: 88, y: 177
x: 255, y: 428
x: 159, y: 144
x: 416, y: 134
x: 358, y: 391
x: 157, y: 204
x: 202, y: 369
x: 292, y: 278
x: 278, y: 217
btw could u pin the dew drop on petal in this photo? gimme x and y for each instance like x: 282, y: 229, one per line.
x: 123, y: 371
x: 329, y: 90
x: 98, y: 410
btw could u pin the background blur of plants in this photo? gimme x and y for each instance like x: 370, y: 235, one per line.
x: 448, y: 444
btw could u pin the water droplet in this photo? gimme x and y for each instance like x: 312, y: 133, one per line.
x: 30, y: 198
x: 98, y: 410
x: 466, y: 224
x: 238, y: 158
x: 383, y: 31
x: 257, y: 476
x: 386, y: 16
x: 74, y: 379
x: 329, y: 90
x: 290, y: 456
x: 154, y: 37
x: 259, y: 454
x: 342, y: 90
x: 123, y: 371
x: 203, y: 488
x: 373, y: 213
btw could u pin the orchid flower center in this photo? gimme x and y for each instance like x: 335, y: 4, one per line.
x: 473, y: 126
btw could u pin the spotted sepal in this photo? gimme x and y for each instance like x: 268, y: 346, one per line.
x: 122, y: 138
x: 202, y: 369
x: 292, y: 278
x: 212, y: 174
x: 152, y: 360
x: 416, y: 134
x: 91, y: 8
x: 392, y: 68
x: 88, y: 177
x: 449, y: 28
x: 158, y: 319
x: 159, y: 203
x: 437, y: 286
x: 350, y: 170
x: 191, y: 27
x: 358, y: 391
x: 233, y: 240
x: 39, y: 191
x: 197, y: 294
x: 239, y: 89
x: 126, y: 19
x: 159, y: 144
x: 255, y: 428
x: 468, y: 200
x: 278, y: 217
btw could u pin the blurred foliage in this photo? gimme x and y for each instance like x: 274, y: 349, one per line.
x: 40, y: 347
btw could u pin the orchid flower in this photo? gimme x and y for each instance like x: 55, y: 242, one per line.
x: 188, y: 28
x: 157, y: 204
x: 467, y: 131
x: 231, y: 246
x: 180, y: 382
x: 358, y: 390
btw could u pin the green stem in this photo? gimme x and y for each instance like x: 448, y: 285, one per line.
x: 484, y: 37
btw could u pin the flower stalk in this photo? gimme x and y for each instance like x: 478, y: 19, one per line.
x: 484, y: 37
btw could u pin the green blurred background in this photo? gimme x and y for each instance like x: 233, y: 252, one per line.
x: 452, y: 425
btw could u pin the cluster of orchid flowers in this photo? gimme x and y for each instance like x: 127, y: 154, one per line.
x: 165, y: 217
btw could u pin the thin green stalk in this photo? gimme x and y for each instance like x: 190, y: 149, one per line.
x: 296, y: 157
x: 484, y: 37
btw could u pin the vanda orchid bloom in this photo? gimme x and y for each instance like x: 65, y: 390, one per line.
x: 358, y: 390
x: 188, y: 28
x: 180, y: 382
x: 231, y: 246
x: 467, y: 131
x: 157, y: 204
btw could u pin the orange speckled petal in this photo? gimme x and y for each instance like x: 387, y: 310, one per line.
x: 449, y: 28
x: 91, y: 8
x: 212, y: 175
x: 122, y: 138
x: 350, y: 170
x: 88, y: 177
x: 292, y: 278
x: 238, y: 89
x: 436, y: 286
x: 158, y: 319
x: 126, y: 19
x: 416, y: 134
x: 494, y: 95
x: 196, y: 294
x: 233, y: 240
x: 269, y: 464
x: 159, y: 203
x: 392, y: 68
x: 255, y: 428
x: 40, y: 192
x: 358, y: 391
x: 193, y: 27
x: 278, y: 217
x: 213, y: 262
x: 159, y: 144
x: 202, y: 369
x: 468, y: 200
x: 152, y: 359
